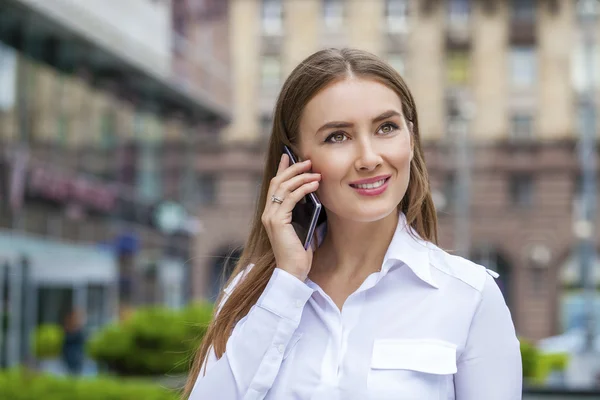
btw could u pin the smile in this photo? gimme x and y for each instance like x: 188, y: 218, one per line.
x: 373, y: 185
x: 371, y: 188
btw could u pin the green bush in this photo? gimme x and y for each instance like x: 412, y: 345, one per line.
x: 529, y: 355
x: 27, y: 385
x: 153, y: 341
x: 546, y: 363
x: 47, y: 341
x: 537, y: 367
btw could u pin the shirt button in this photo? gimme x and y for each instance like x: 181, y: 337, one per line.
x: 298, y: 303
x: 280, y: 348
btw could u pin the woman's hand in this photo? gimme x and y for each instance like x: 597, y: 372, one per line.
x: 291, y: 184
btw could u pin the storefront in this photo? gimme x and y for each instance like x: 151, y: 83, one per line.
x: 43, y: 280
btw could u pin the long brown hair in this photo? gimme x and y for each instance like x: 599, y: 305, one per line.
x: 311, y: 76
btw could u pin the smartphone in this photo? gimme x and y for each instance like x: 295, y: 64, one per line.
x: 305, y: 214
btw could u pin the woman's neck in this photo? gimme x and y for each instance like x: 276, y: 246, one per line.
x: 352, y: 249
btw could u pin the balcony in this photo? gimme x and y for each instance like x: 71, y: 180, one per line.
x: 458, y: 30
x: 141, y: 59
x: 195, y: 70
x: 107, y: 23
x: 522, y: 31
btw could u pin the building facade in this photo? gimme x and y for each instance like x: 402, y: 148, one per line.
x: 103, y: 108
x: 499, y: 87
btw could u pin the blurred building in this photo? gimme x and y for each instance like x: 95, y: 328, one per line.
x: 519, y: 62
x: 104, y: 106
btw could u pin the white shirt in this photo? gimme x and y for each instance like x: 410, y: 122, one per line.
x: 428, y: 326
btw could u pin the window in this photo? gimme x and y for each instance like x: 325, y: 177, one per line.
x: 457, y: 67
x: 521, y: 127
x: 458, y: 12
x: 333, y: 14
x: 270, y: 73
x: 266, y: 123
x: 272, y: 17
x: 580, y: 76
x: 397, y: 62
x: 108, y: 129
x: 523, y: 10
x: 521, y: 190
x: 8, y: 77
x: 207, y: 185
x: 396, y: 12
x: 523, y: 66
x: 63, y: 130
x: 449, y: 190
x: 573, y: 297
x: 149, y: 180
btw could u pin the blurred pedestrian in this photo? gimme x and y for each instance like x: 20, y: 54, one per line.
x: 378, y: 311
x: 73, y: 350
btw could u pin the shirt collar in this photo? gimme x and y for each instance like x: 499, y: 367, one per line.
x: 406, y: 246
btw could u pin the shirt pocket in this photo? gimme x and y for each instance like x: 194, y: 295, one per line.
x: 411, y: 369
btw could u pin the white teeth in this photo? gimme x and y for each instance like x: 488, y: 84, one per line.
x: 373, y: 185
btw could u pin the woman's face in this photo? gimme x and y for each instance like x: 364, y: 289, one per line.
x: 356, y: 136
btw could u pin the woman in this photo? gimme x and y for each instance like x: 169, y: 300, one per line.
x: 378, y: 312
x: 73, y: 349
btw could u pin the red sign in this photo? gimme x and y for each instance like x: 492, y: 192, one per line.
x: 60, y: 187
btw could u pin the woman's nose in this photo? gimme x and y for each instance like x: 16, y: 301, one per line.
x: 368, y: 158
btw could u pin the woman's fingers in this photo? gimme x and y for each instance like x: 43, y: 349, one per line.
x: 284, y: 162
x: 286, y: 172
x: 294, y: 183
x: 294, y: 197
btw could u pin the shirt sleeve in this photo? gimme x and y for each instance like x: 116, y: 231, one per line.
x: 255, y: 349
x: 490, y: 367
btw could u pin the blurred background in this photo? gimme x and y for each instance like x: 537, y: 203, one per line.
x: 132, y: 136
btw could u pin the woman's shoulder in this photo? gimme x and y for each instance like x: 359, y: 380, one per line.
x: 459, y: 268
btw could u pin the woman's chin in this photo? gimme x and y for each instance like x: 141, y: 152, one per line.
x: 372, y: 214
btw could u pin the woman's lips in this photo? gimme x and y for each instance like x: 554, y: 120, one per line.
x: 371, y: 189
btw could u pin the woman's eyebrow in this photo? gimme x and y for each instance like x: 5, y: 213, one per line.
x: 342, y: 124
x: 386, y: 115
x: 335, y: 124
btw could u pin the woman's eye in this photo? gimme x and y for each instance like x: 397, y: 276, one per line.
x: 336, y: 137
x: 388, y: 128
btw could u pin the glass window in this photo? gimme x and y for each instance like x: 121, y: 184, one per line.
x: 272, y: 17
x: 96, y: 307
x: 449, y: 190
x: 573, y: 310
x: 457, y: 67
x: 108, y: 129
x: 207, y: 186
x: 149, y: 180
x: 521, y: 127
x: 523, y: 10
x: 8, y: 77
x: 579, y: 76
x: 63, y: 130
x: 397, y: 62
x: 572, y: 313
x: 523, y: 66
x: 521, y: 190
x: 396, y: 12
x: 53, y: 304
x: 333, y: 14
x: 270, y: 72
x: 458, y: 11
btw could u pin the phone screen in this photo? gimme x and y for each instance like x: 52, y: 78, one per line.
x: 305, y: 214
